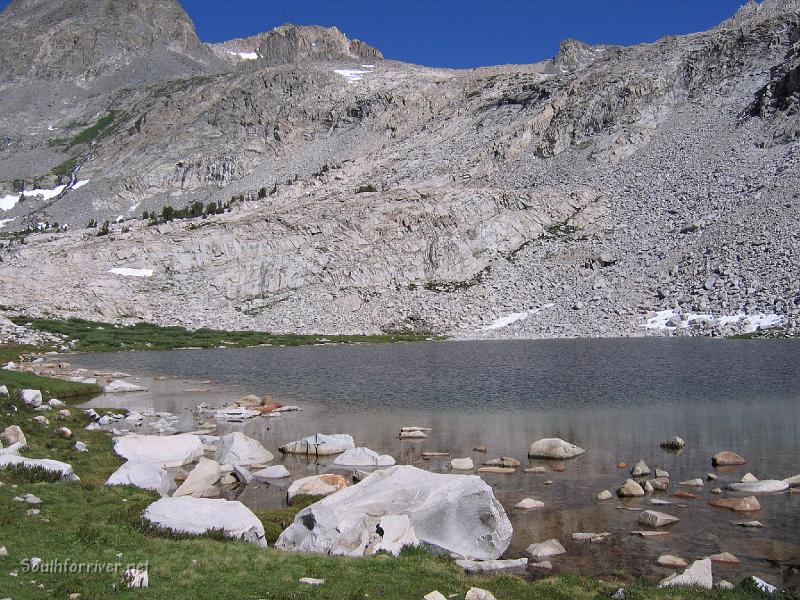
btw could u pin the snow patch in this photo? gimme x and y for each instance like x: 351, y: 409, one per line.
x: 126, y: 272
x: 134, y: 207
x: 507, y: 320
x: 79, y: 184
x: 351, y: 74
x: 4, y: 222
x: 245, y: 55
x: 748, y: 323
x: 8, y: 202
x: 367, y: 66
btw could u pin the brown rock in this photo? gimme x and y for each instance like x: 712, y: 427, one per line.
x: 724, y: 557
x: 726, y: 458
x: 685, y: 495
x: 498, y: 470
x: 749, y: 504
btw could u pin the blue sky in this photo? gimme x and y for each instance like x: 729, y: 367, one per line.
x: 465, y: 33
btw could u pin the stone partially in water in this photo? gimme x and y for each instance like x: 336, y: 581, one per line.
x: 674, y: 562
x: 724, y: 557
x: 698, y: 575
x: 656, y: 519
x: 238, y: 449
x: 554, y: 448
x: 692, y: 483
x: 528, y: 504
x: 497, y: 470
x: 605, y: 495
x: 274, y: 472
x: 726, y: 459
x: 673, y: 443
x: 363, y: 457
x: 749, y: 478
x: 204, y: 476
x: 457, y: 513
x: 504, y: 461
x: 546, y: 549
x: 640, y: 469
x: 316, y: 485
x: 630, y: 489
x: 320, y: 445
x: 765, y: 486
x: 749, y: 504
x: 462, y: 464
x: 793, y: 481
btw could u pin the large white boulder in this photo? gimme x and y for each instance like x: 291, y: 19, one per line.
x: 320, y: 445
x: 238, y: 449
x: 457, y: 513
x: 697, y: 575
x: 13, y: 435
x: 168, y: 451
x: 201, y: 480
x: 363, y: 457
x: 45, y: 463
x: 197, y: 516
x: 765, y: 486
x: 144, y: 475
x: 117, y: 386
x: 273, y: 472
x: 554, y: 448
x: 14, y: 448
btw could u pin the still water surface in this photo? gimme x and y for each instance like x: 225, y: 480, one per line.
x: 615, y: 398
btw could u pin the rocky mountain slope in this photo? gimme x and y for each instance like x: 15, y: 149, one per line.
x: 652, y: 189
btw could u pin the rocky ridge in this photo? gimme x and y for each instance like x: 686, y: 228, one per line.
x: 611, y: 191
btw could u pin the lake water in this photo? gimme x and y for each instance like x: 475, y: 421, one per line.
x: 615, y: 398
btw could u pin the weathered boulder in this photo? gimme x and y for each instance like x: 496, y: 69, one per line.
x: 273, y: 472
x: 630, y: 489
x: 640, y: 469
x: 363, y: 457
x: 144, y: 475
x: 554, y: 448
x: 238, y: 449
x: 118, y: 386
x: 199, y: 515
x: 656, y: 519
x: 320, y: 445
x: 765, y: 486
x: 204, y: 476
x: 167, y: 451
x: 726, y: 459
x: 673, y: 443
x: 45, y: 463
x: 544, y: 550
x: 749, y: 504
x: 697, y: 575
x: 457, y: 513
x: 13, y: 435
x: 316, y: 485
x: 605, y: 495
x: 529, y: 504
x: 32, y: 398
x: 748, y: 478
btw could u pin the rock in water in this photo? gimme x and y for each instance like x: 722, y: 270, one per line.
x: 363, y: 457
x: 167, y: 451
x: 275, y: 472
x: 640, y: 469
x: 320, y: 445
x: 692, y: 483
x: 238, y: 449
x: 529, y: 504
x: 724, y: 557
x: 204, y: 476
x: 726, y: 458
x: 749, y: 478
x: 199, y: 515
x: 554, y: 448
x: 699, y: 575
x: 749, y: 504
x: 144, y: 475
x: 793, y: 481
x: 462, y: 464
x: 316, y: 485
x: 673, y: 562
x: 605, y: 495
x: 117, y: 386
x: 504, y: 461
x: 765, y: 486
x: 544, y: 550
x: 673, y: 443
x: 630, y: 489
x: 656, y: 519
x: 456, y: 513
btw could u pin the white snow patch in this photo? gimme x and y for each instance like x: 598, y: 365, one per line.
x: 749, y: 323
x: 79, y: 184
x: 126, y: 272
x: 507, y: 320
x: 3, y: 222
x: 8, y: 202
x: 367, y: 66
x: 351, y: 74
x: 51, y: 128
x: 245, y: 55
x: 134, y: 207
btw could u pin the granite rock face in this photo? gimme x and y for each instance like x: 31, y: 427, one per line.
x: 601, y: 193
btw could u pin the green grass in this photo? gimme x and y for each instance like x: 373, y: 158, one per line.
x: 103, y: 126
x: 65, y: 168
x: 90, y: 336
x: 86, y: 522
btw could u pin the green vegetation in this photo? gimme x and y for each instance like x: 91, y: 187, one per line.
x: 87, y: 522
x: 192, y: 211
x: 104, y: 126
x: 91, y: 336
x: 366, y: 188
x: 453, y: 286
x: 65, y: 168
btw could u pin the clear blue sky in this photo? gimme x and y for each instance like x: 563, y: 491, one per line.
x: 465, y: 33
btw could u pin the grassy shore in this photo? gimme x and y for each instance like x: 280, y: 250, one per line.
x: 86, y: 522
x: 92, y: 336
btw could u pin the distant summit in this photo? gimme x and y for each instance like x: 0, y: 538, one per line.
x: 290, y: 44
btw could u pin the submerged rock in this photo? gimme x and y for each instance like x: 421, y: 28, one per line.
x: 503, y: 461
x: 546, y: 549
x: 605, y: 495
x: 274, y: 472
x: 749, y: 504
x: 199, y: 515
x: 363, y: 457
x: 554, y: 448
x: 727, y: 458
x: 456, y: 513
x: 656, y: 519
x: 765, y: 486
x: 674, y: 562
x: 529, y: 504
x: 319, y: 445
x: 117, y: 386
